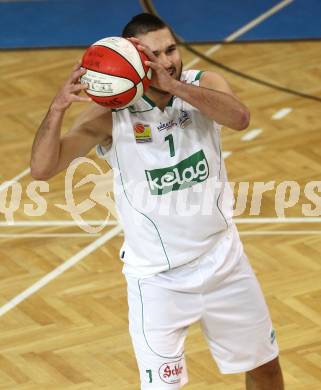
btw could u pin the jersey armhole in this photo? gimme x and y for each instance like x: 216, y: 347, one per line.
x: 102, y: 151
x: 199, y: 75
x: 217, y: 126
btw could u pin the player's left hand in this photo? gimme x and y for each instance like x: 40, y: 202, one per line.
x: 161, y: 79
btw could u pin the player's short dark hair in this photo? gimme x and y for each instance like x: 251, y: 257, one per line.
x: 143, y: 24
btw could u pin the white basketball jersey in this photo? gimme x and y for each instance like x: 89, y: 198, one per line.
x: 168, y: 175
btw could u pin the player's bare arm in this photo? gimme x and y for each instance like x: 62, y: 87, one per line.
x: 51, y: 152
x: 213, y: 98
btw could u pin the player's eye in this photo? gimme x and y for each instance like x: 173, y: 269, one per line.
x: 171, y: 49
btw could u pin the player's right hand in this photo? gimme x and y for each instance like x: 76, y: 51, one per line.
x: 70, y: 91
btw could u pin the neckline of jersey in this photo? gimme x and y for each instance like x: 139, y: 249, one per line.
x: 150, y: 101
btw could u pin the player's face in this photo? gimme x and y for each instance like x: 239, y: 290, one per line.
x: 163, y: 45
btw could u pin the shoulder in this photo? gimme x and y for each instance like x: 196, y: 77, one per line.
x: 215, y: 81
x: 206, y: 79
x: 191, y: 76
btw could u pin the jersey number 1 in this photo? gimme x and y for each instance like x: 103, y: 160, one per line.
x: 170, y: 140
x: 150, y: 377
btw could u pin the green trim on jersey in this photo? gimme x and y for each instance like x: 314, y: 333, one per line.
x: 143, y: 329
x: 159, y: 236
x: 120, y: 109
x: 218, y: 198
x: 170, y: 102
x: 199, y: 75
x: 149, y: 101
x: 132, y: 110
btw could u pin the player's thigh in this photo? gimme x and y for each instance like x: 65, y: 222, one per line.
x: 158, y: 323
x: 237, y: 322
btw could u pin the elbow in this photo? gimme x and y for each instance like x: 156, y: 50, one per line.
x: 244, y: 119
x: 39, y: 174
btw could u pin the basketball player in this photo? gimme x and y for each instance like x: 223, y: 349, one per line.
x: 183, y: 259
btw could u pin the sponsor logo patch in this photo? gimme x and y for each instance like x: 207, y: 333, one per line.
x: 192, y: 170
x: 143, y: 132
x: 171, y: 372
x: 184, y: 119
x: 166, y: 125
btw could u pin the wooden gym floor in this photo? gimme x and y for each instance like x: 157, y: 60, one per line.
x: 72, y: 333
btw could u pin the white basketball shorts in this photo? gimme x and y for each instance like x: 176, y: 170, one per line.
x: 220, y: 290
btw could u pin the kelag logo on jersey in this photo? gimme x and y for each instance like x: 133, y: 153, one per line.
x: 194, y: 169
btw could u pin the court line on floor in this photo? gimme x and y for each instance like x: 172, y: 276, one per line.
x: 251, y: 134
x: 48, y: 235
x: 226, y: 154
x: 113, y: 223
x: 114, y: 232
x: 59, y: 270
x: 280, y: 233
x: 258, y: 20
x: 277, y: 220
x: 282, y: 113
x: 57, y: 223
x: 8, y: 183
x: 236, y: 34
x: 87, y: 235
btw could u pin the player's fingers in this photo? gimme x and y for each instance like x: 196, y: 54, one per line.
x: 148, y: 52
x: 77, y: 98
x: 153, y: 65
x: 77, y: 65
x: 75, y: 68
x: 77, y: 74
x: 135, y: 42
x: 77, y: 88
x: 133, y: 39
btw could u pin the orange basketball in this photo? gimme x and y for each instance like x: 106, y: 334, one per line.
x: 116, y: 73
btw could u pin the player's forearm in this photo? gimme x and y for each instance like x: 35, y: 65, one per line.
x: 219, y: 106
x: 46, y: 145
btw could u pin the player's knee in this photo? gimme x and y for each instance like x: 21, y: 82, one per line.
x: 269, y: 369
